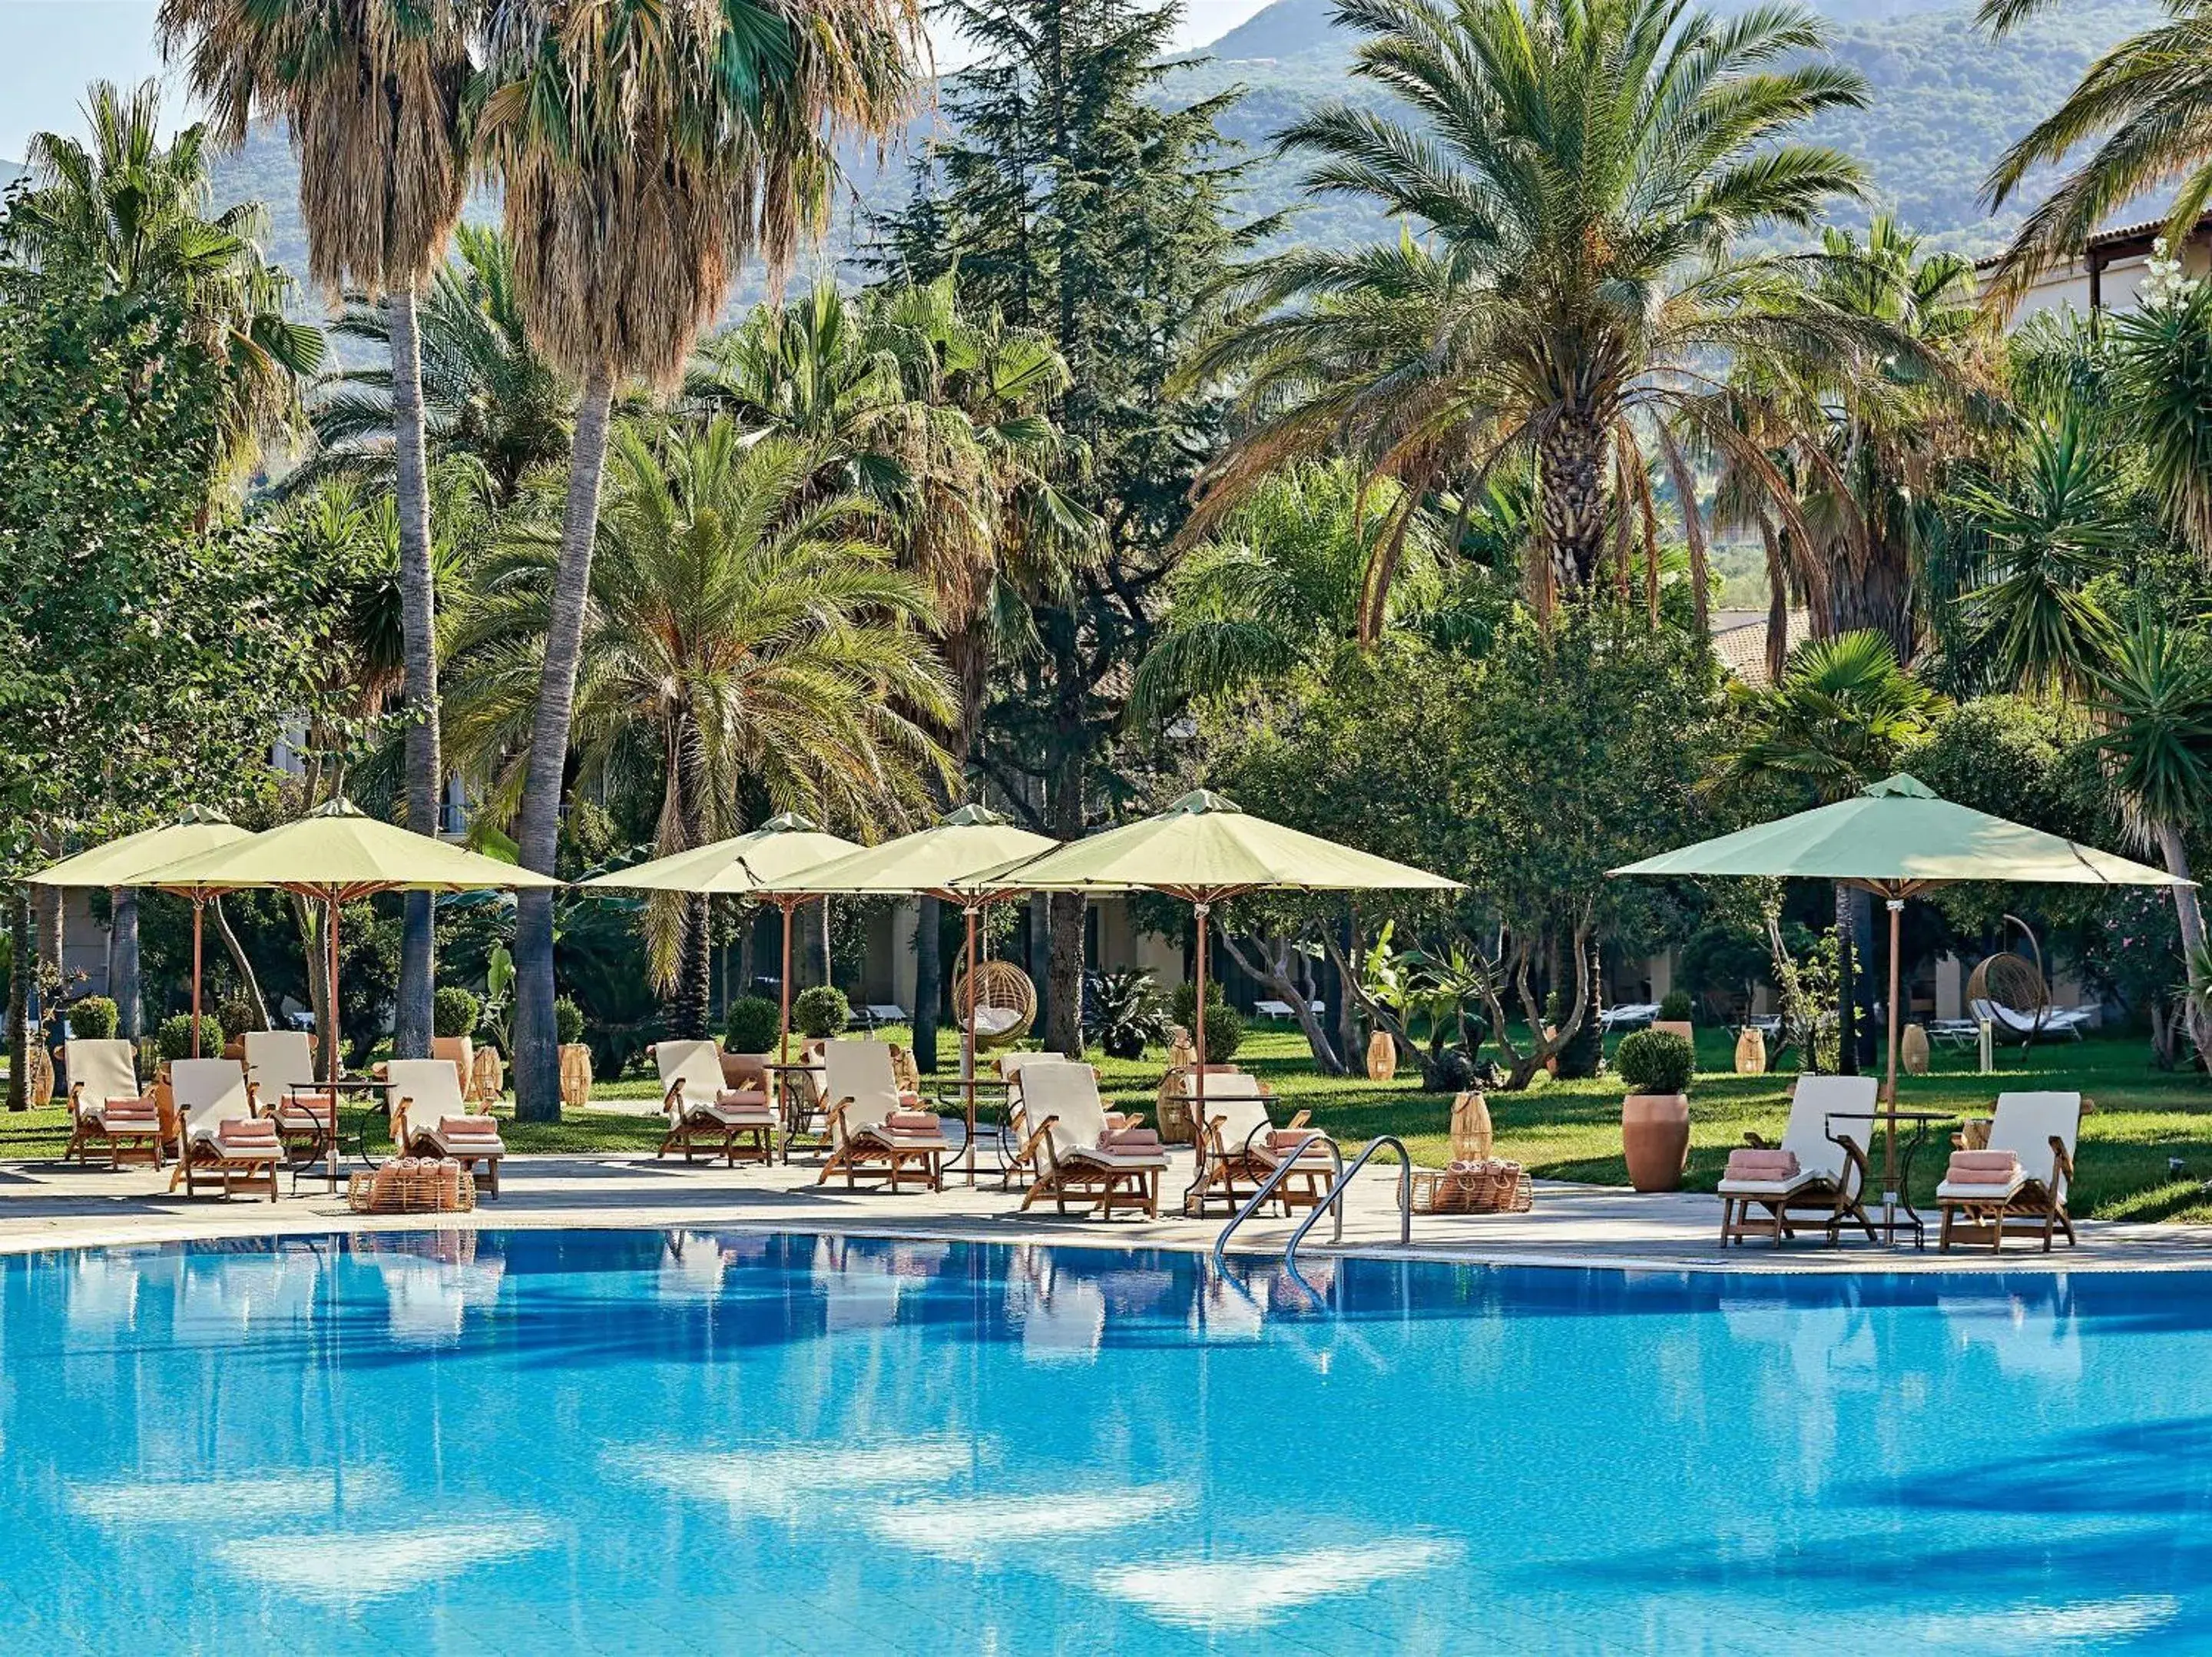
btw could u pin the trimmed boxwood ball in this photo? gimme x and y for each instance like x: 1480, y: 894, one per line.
x: 1674, y: 1006
x: 821, y: 1011
x: 567, y: 1021
x: 175, y: 1039
x: 454, y: 1011
x: 95, y: 1018
x: 750, y: 1025
x: 1224, y: 1031
x: 1655, y: 1061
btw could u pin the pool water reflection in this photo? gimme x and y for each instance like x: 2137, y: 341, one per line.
x: 536, y: 1442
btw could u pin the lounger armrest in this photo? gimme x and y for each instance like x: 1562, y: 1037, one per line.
x: 1299, y: 1121
x: 253, y: 1098
x: 1039, y: 1137
x: 2061, y: 1165
x: 1132, y: 1119
x: 671, y: 1103
x: 76, y: 1100
x: 1758, y: 1142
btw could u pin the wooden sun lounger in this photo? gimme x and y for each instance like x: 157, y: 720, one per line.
x: 279, y: 1068
x: 428, y: 1113
x: 214, y: 1102
x: 2041, y: 1130
x: 1068, y: 1121
x: 107, y: 1108
x: 1238, y: 1151
x: 864, y: 1094
x: 1830, y: 1120
x: 705, y: 1115
x: 1021, y: 1160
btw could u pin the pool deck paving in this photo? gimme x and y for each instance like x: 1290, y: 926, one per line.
x: 45, y: 1205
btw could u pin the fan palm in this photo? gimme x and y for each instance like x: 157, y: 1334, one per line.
x: 747, y: 635
x: 488, y: 394
x: 1583, y: 172
x: 2154, y: 700
x: 644, y: 148
x: 373, y: 92
x: 131, y: 214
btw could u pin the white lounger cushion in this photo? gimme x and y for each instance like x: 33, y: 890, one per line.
x: 1066, y: 1096
x: 2025, y: 1125
x: 2061, y: 1020
x: 107, y: 1071
x: 697, y: 1067
x: 858, y: 1074
x: 209, y: 1092
x: 1820, y: 1102
x: 427, y: 1090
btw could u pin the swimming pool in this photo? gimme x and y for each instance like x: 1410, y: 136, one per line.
x: 539, y: 1441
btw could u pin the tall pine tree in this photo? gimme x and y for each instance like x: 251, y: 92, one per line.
x: 1076, y: 198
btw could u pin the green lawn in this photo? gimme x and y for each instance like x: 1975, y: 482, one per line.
x: 1572, y: 1129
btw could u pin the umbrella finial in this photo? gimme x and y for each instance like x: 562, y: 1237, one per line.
x: 1899, y: 786
x: 1200, y: 801
x: 972, y: 817
x: 338, y: 806
x: 789, y: 823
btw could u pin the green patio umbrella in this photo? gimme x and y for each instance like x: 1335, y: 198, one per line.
x: 1897, y: 839
x: 761, y: 865
x: 127, y: 862
x: 338, y: 855
x: 1205, y: 849
x: 927, y: 864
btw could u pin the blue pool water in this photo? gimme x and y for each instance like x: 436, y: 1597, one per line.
x: 639, y: 1442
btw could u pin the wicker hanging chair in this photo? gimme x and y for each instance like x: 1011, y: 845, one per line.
x: 1001, y: 1007
x: 2019, y: 999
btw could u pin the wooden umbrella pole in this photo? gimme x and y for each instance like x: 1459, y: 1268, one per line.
x: 1198, y: 1058
x: 783, y: 988
x: 199, y: 908
x: 331, y: 1045
x: 967, y: 1042
x: 1889, y: 1088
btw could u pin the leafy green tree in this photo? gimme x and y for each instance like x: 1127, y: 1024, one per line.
x: 745, y: 635
x: 643, y: 153
x: 1577, y: 181
x: 1076, y: 200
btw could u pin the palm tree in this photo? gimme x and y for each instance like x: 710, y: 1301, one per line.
x: 2047, y: 527
x: 643, y: 153
x: 2143, y: 105
x: 1837, y: 721
x: 132, y: 215
x: 1581, y: 174
x: 487, y: 394
x: 2161, y: 385
x: 2154, y: 700
x: 746, y: 634
x: 374, y: 93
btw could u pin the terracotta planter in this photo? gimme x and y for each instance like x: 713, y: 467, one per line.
x: 1751, y: 1052
x: 1472, y: 1136
x: 1681, y: 1026
x: 1381, y: 1056
x: 1655, y: 1135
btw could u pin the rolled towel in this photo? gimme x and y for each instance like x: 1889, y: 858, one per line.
x: 911, y: 1121
x: 738, y: 1098
x: 246, y: 1130
x: 449, y: 1184
x: 468, y: 1127
x: 1129, y: 1139
x: 1988, y: 1167
x: 1762, y: 1165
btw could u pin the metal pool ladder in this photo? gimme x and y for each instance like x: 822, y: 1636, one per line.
x: 1333, y: 1203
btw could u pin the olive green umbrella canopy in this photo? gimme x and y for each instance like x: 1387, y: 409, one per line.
x: 763, y: 865
x: 127, y: 861
x: 1898, y: 839
x: 925, y: 864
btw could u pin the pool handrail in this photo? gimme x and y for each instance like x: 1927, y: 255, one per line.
x: 1335, y: 1199
x: 1282, y: 1171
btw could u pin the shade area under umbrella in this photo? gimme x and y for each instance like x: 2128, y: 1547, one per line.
x: 1898, y: 839
x: 761, y: 865
x: 129, y: 860
x: 927, y: 863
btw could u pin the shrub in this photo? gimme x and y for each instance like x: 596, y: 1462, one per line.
x: 821, y: 1011
x: 1183, y: 1003
x: 454, y: 1011
x: 751, y: 1024
x: 1674, y: 1006
x: 238, y: 1016
x: 1121, y: 1012
x: 567, y: 1021
x: 1657, y: 1061
x: 1224, y: 1031
x: 95, y: 1018
x: 175, y: 1039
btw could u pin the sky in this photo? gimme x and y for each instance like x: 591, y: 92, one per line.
x: 49, y: 49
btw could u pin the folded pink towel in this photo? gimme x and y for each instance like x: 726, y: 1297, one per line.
x: 1284, y: 1140
x: 1129, y: 1139
x: 911, y: 1121
x: 738, y: 1098
x: 469, y: 1127
x: 251, y: 1133
x: 1990, y: 1167
x: 1752, y: 1164
x: 118, y: 1110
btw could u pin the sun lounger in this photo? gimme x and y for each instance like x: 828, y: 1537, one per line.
x: 1274, y: 1009
x: 280, y: 1067
x: 1011, y: 1066
x: 1627, y: 1014
x: 430, y: 1118
x: 1239, y: 1146
x: 874, y: 1126
x: 1072, y: 1146
x: 1982, y: 1197
x: 702, y: 1112
x: 220, y: 1134
x: 2014, y: 1025
x: 876, y: 1014
x: 1831, y: 1119
x: 107, y: 1107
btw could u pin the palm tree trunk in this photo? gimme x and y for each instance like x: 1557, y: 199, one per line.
x: 928, y: 982
x: 18, y: 999
x: 1777, y: 604
x: 2189, y: 915
x: 536, y: 1050
x: 1847, y: 1038
x: 418, y: 968
x: 1571, y: 462
x: 123, y: 979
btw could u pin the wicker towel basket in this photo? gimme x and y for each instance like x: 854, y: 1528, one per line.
x: 1493, y: 1187
x: 409, y: 1185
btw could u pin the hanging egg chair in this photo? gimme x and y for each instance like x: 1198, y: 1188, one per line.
x: 2010, y: 992
x: 999, y: 1008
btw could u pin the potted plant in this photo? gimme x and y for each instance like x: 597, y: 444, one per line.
x: 748, y: 1033
x: 1674, y: 1016
x: 1656, y: 1065
x: 453, y: 1015
x: 1224, y: 1025
x: 94, y: 1018
x: 821, y: 1012
x: 1123, y: 1014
